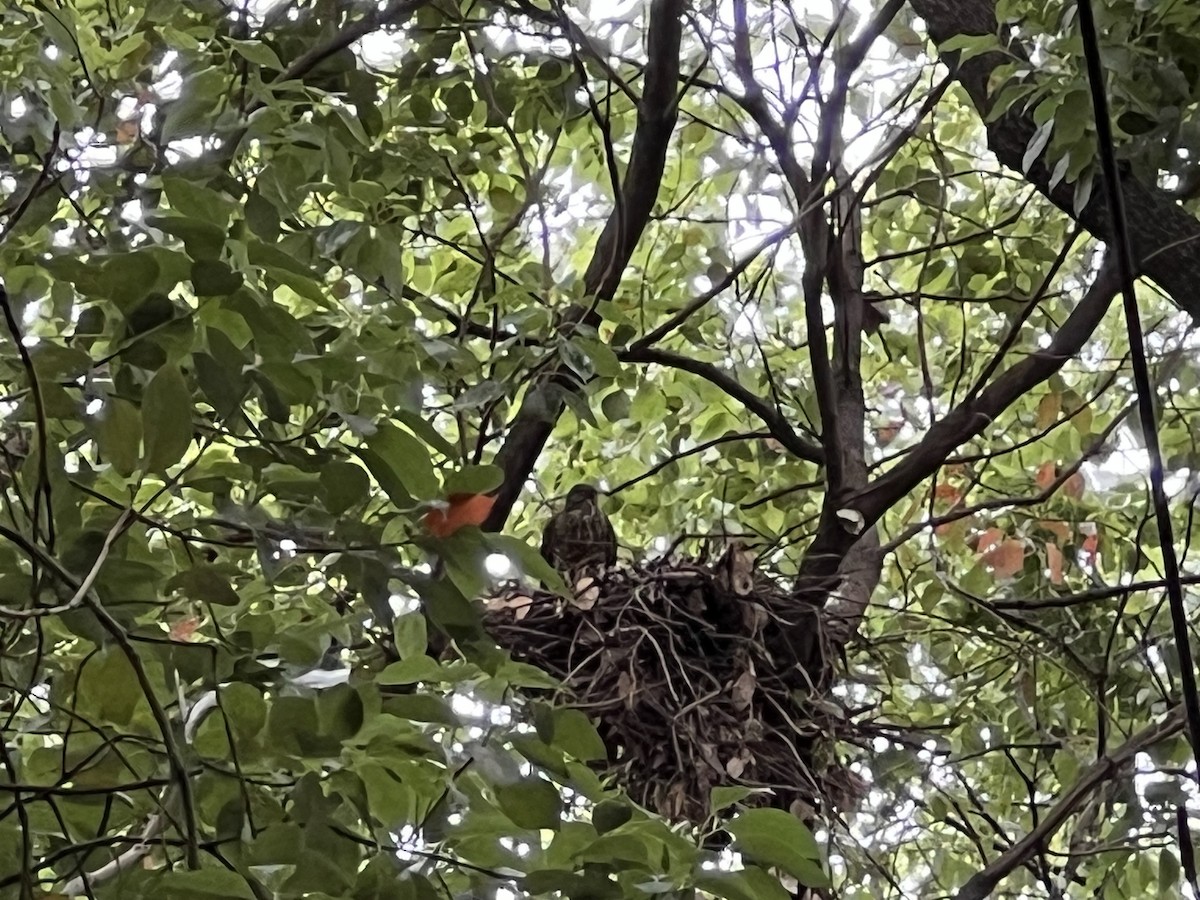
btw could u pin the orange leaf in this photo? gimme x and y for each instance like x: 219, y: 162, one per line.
x: 989, y: 539
x: 1054, y: 562
x: 1059, y: 529
x: 1073, y: 486
x: 127, y: 132
x: 885, y: 434
x: 1006, y: 559
x: 1046, y: 474
x: 1090, y: 545
x: 947, y: 493
x: 461, y: 510
x: 1048, y: 410
x: 183, y: 629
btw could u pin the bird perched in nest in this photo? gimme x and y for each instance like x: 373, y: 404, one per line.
x: 579, y: 536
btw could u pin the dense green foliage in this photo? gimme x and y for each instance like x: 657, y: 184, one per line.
x: 280, y: 277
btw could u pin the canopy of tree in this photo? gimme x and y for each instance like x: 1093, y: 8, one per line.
x: 315, y: 309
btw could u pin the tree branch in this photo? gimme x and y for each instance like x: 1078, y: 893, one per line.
x: 971, y: 417
x: 1165, y: 236
x: 836, y: 534
x: 371, y: 22
x: 657, y: 112
x: 775, y: 421
x: 982, y: 883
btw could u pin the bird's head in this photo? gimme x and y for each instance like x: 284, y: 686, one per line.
x: 581, y: 495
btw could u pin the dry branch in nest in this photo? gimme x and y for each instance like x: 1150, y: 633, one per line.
x: 697, y: 676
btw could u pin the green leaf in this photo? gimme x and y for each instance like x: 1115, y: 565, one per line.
x: 724, y: 796
x: 166, y: 419
x: 180, y: 884
x: 474, y: 480
x: 401, y: 465
x: 575, y: 734
x: 262, y: 217
x: 292, y: 725
x: 1168, y: 869
x: 416, y: 669
x: 128, y: 278
x: 340, y: 712
x: 344, y: 485
x: 197, y: 200
x: 245, y: 708
x: 541, y: 754
x: 119, y: 435
x: 410, y: 635
x: 12, y: 862
x: 970, y: 45
x: 108, y: 688
x: 1133, y: 122
x: 459, y: 102
x: 748, y: 884
x: 523, y: 675
x: 558, y: 883
x: 190, y: 114
x: 257, y: 52
x: 220, y: 374
x: 480, y: 395
x: 60, y: 28
x: 391, y: 800
x: 367, y: 191
x: 201, y: 240
x: 610, y: 815
x: 615, y: 406
x: 1083, y: 191
x: 777, y: 838
x: 604, y: 361
x: 213, y: 278
x: 270, y: 256
x: 577, y: 359
x: 534, y: 804
x: 205, y: 584
x: 422, y: 708
x: 528, y: 559
x: 1037, y: 144
x: 425, y: 431
x: 58, y: 363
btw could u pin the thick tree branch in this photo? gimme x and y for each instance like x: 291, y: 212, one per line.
x: 859, y: 575
x: 862, y: 566
x: 775, y: 421
x: 836, y: 533
x: 831, y: 239
x: 1165, y: 236
x: 657, y: 112
x: 970, y: 418
x: 982, y: 883
x: 393, y: 13
x: 388, y: 15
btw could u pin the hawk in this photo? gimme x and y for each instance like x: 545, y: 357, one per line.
x: 579, y: 536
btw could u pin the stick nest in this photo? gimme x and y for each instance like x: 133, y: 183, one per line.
x: 696, y: 678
